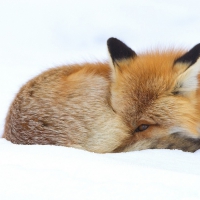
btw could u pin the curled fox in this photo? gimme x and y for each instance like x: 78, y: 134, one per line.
x: 134, y: 102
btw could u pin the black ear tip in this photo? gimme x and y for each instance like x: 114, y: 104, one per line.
x: 118, y: 50
x: 114, y: 43
x: 191, y: 56
x: 196, y: 47
x: 112, y: 40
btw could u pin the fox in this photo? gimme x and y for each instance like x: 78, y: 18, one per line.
x: 131, y: 102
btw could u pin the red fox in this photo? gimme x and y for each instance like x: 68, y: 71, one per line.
x: 133, y: 102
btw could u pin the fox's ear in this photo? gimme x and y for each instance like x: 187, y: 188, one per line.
x: 119, y: 51
x: 190, y: 57
x: 187, y: 81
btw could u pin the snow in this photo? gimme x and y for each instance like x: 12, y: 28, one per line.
x: 36, y: 35
x: 50, y: 172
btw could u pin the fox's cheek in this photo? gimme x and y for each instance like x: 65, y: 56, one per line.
x: 190, y: 131
x: 176, y: 129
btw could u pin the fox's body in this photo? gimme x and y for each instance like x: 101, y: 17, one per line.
x: 133, y: 103
x: 67, y: 106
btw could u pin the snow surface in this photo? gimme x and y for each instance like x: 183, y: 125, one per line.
x: 36, y: 35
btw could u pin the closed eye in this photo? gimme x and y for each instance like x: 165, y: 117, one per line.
x: 175, y: 92
x: 142, y: 127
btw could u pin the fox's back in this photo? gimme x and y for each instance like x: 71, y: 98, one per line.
x: 67, y: 106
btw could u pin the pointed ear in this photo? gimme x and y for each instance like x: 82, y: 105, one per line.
x: 190, y: 57
x: 187, y: 81
x: 119, y: 51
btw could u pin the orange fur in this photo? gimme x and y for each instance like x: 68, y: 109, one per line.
x: 143, y: 94
x: 98, y: 107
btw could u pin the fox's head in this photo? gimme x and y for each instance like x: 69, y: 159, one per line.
x: 156, y: 93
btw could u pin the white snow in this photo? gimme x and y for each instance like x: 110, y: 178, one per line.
x: 38, y: 34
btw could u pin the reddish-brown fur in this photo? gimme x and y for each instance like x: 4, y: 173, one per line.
x: 98, y: 107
